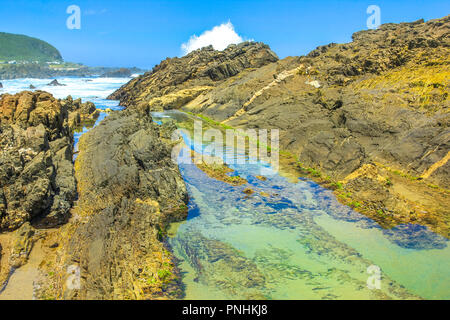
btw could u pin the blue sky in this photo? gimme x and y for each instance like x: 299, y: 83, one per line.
x: 142, y: 33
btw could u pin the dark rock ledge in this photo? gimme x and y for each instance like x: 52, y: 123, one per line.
x: 105, y: 216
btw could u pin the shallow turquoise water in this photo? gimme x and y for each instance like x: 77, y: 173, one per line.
x: 297, y: 243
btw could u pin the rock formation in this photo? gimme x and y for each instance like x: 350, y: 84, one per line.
x: 55, y: 83
x: 36, y: 174
x: 119, y: 73
x: 368, y: 118
x: 176, y: 81
x: 44, y: 71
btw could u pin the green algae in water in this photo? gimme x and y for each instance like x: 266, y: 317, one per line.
x: 298, y: 243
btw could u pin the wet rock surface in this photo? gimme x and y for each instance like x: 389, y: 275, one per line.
x: 80, y: 113
x: 128, y: 191
x: 36, y: 170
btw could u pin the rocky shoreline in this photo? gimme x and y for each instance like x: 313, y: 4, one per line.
x: 368, y: 119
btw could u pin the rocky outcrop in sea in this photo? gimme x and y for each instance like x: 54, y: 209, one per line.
x: 176, y: 81
x: 55, y: 83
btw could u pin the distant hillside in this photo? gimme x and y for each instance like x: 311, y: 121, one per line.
x: 23, y: 48
x: 67, y: 69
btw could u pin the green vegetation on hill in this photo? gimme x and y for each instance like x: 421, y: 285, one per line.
x: 23, y: 48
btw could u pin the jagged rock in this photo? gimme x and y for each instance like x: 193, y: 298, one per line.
x: 129, y: 191
x: 32, y: 87
x: 1, y: 85
x: 55, y: 83
x: 120, y: 73
x: 22, y: 243
x: 379, y: 100
x: 36, y: 71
